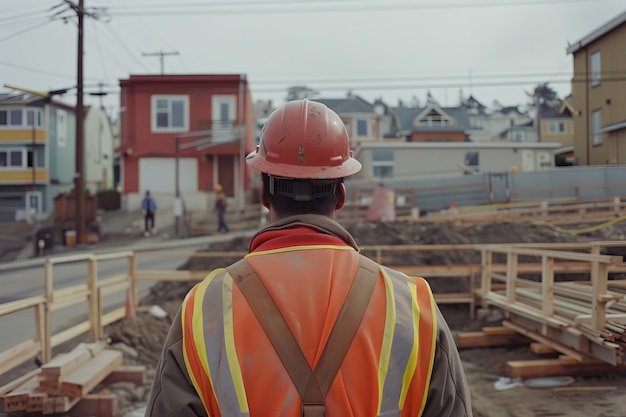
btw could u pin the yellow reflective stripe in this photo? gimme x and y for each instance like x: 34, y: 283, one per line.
x: 433, y: 342
x: 390, y: 326
x: 198, y: 332
x: 229, y: 341
x: 298, y: 248
x: 412, y: 364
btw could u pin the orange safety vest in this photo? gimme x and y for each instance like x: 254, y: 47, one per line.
x: 236, y: 371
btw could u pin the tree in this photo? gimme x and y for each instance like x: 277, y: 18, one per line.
x: 544, y: 95
x: 299, y: 92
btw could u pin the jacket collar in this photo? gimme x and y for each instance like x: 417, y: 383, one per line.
x: 318, y: 222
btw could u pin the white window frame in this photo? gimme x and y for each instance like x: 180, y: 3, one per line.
x: 596, y: 68
x: 8, y: 151
x: 360, y: 122
x: 61, y: 119
x: 388, y: 164
x: 218, y: 120
x: 556, y: 127
x: 24, y: 117
x: 596, y: 125
x: 170, y: 99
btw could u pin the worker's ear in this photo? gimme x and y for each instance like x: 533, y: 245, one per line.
x: 265, y: 201
x: 341, y: 196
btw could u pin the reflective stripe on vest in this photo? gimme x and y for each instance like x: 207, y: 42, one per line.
x: 406, y: 356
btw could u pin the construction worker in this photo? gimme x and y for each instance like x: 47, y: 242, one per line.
x: 220, y: 208
x: 304, y: 325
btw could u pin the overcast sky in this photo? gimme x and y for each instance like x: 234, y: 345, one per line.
x: 392, y: 49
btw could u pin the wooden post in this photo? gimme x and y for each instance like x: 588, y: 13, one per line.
x: 40, y: 334
x: 46, y: 342
x: 511, y: 276
x: 486, y: 263
x: 94, y: 312
x: 132, y: 281
x: 547, y: 285
x: 599, y: 285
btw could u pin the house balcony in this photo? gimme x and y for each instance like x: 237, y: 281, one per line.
x: 16, y: 136
x: 23, y: 176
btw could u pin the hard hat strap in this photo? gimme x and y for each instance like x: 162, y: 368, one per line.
x: 302, y: 190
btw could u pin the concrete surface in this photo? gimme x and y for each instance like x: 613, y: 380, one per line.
x: 120, y: 231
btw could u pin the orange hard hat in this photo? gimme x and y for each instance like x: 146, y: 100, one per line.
x: 218, y: 187
x: 304, y: 139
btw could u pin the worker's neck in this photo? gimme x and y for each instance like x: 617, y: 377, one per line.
x: 274, y: 217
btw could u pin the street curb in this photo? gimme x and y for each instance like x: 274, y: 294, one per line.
x: 137, y: 246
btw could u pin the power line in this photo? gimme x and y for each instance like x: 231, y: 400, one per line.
x: 182, y: 9
x: 29, y: 29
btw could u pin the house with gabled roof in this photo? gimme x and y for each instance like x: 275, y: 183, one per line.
x: 364, y: 121
x: 488, y: 124
x: 430, y: 124
x: 557, y: 123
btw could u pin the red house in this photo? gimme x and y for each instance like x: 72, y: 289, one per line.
x: 210, y: 118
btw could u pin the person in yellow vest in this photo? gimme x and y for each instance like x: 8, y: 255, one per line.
x: 220, y: 208
x: 304, y: 325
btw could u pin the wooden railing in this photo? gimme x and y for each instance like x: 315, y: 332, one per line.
x: 538, y: 308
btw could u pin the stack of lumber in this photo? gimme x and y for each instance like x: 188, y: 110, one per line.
x: 573, y: 306
x: 64, y: 384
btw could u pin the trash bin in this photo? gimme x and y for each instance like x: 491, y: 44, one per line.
x: 70, y: 238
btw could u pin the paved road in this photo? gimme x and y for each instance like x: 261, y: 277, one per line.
x: 28, y: 280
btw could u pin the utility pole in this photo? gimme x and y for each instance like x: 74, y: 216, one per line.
x: 79, y: 180
x: 79, y: 185
x: 161, y: 56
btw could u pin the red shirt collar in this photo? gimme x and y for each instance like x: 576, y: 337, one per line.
x: 296, y: 236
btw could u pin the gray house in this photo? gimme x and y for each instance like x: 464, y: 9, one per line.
x: 407, y: 161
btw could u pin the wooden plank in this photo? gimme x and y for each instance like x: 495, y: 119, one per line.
x: 8, y: 387
x: 59, y: 405
x: 128, y: 373
x: 50, y: 386
x: 554, y: 367
x: 481, y: 339
x: 100, y: 405
x: 80, y: 382
x: 17, y: 399
x: 453, y: 298
x: 498, y: 330
x: 65, y: 363
x: 541, y: 349
x: 36, y: 401
x: 19, y: 354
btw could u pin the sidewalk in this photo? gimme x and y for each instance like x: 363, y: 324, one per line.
x: 122, y: 231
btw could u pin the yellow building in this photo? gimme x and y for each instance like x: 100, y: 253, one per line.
x: 599, y: 94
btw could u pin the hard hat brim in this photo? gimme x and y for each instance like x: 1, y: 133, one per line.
x: 257, y: 161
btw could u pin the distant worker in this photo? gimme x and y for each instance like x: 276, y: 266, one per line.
x: 148, y: 209
x: 304, y: 325
x: 220, y: 208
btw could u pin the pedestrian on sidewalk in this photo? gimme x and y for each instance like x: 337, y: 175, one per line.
x: 148, y: 209
x: 220, y: 208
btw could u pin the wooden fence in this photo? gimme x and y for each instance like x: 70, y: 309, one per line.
x: 582, y: 318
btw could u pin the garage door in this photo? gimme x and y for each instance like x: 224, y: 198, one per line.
x: 159, y: 176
